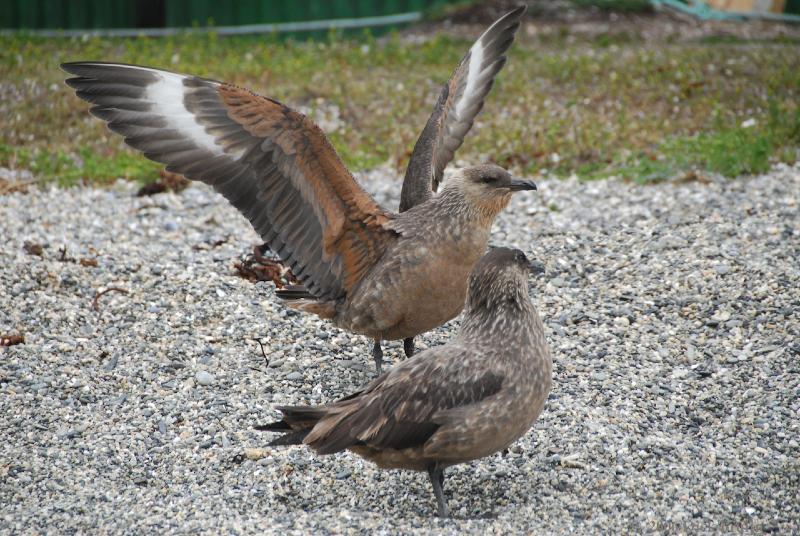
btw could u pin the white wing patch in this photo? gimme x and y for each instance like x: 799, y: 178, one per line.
x: 474, y: 72
x: 166, y: 96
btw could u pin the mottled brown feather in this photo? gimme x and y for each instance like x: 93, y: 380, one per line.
x: 400, y: 409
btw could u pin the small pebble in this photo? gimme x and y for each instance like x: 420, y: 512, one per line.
x: 204, y: 378
x: 255, y: 454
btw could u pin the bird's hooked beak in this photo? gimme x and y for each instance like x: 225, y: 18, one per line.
x: 517, y: 185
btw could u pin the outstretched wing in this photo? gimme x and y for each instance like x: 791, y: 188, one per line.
x: 402, y: 408
x: 459, y: 102
x: 271, y: 162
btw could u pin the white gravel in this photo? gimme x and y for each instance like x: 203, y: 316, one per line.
x: 673, y: 315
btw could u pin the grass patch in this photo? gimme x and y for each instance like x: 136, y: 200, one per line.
x: 82, y: 165
x: 596, y: 108
x: 749, y: 148
x: 620, y: 6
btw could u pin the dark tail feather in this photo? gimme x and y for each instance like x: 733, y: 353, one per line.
x: 293, y: 292
x: 278, y: 426
x: 288, y: 435
x: 296, y: 424
x: 295, y: 437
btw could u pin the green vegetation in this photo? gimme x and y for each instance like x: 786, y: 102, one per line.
x: 69, y: 167
x: 619, y: 6
x: 731, y: 152
x: 606, y: 107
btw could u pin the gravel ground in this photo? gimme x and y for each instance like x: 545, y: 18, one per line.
x: 673, y: 313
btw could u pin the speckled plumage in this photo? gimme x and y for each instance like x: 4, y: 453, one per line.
x: 451, y: 404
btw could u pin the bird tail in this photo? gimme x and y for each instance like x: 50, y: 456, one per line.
x: 287, y: 437
x: 294, y: 292
x: 299, y: 298
x: 297, y: 423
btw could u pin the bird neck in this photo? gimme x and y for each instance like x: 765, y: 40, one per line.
x: 502, y: 316
x: 462, y: 203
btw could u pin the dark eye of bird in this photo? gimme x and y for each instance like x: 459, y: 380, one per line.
x: 488, y: 179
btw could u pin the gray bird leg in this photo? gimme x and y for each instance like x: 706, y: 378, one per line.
x: 436, y: 475
x: 408, y: 346
x: 377, y: 355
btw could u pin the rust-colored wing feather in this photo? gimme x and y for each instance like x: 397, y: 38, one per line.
x: 459, y: 102
x: 271, y: 162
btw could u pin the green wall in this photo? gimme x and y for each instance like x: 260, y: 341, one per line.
x: 97, y: 14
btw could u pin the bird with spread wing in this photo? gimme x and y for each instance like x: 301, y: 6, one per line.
x: 372, y: 271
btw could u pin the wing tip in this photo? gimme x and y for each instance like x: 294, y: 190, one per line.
x: 93, y: 69
x: 515, y: 13
x: 67, y: 65
x: 503, y: 29
x: 519, y: 10
x: 75, y: 67
x: 510, y: 22
x: 73, y: 82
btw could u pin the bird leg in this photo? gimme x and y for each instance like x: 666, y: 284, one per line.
x: 377, y: 355
x: 408, y: 346
x: 436, y: 475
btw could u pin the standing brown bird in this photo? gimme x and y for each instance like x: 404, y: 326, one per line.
x: 467, y: 399
x: 381, y: 274
x: 459, y: 102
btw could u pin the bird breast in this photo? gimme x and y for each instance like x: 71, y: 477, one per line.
x: 420, y: 283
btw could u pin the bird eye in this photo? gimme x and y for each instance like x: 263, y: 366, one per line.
x: 489, y: 179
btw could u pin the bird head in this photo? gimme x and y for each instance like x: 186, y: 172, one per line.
x: 500, y: 280
x: 487, y: 187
